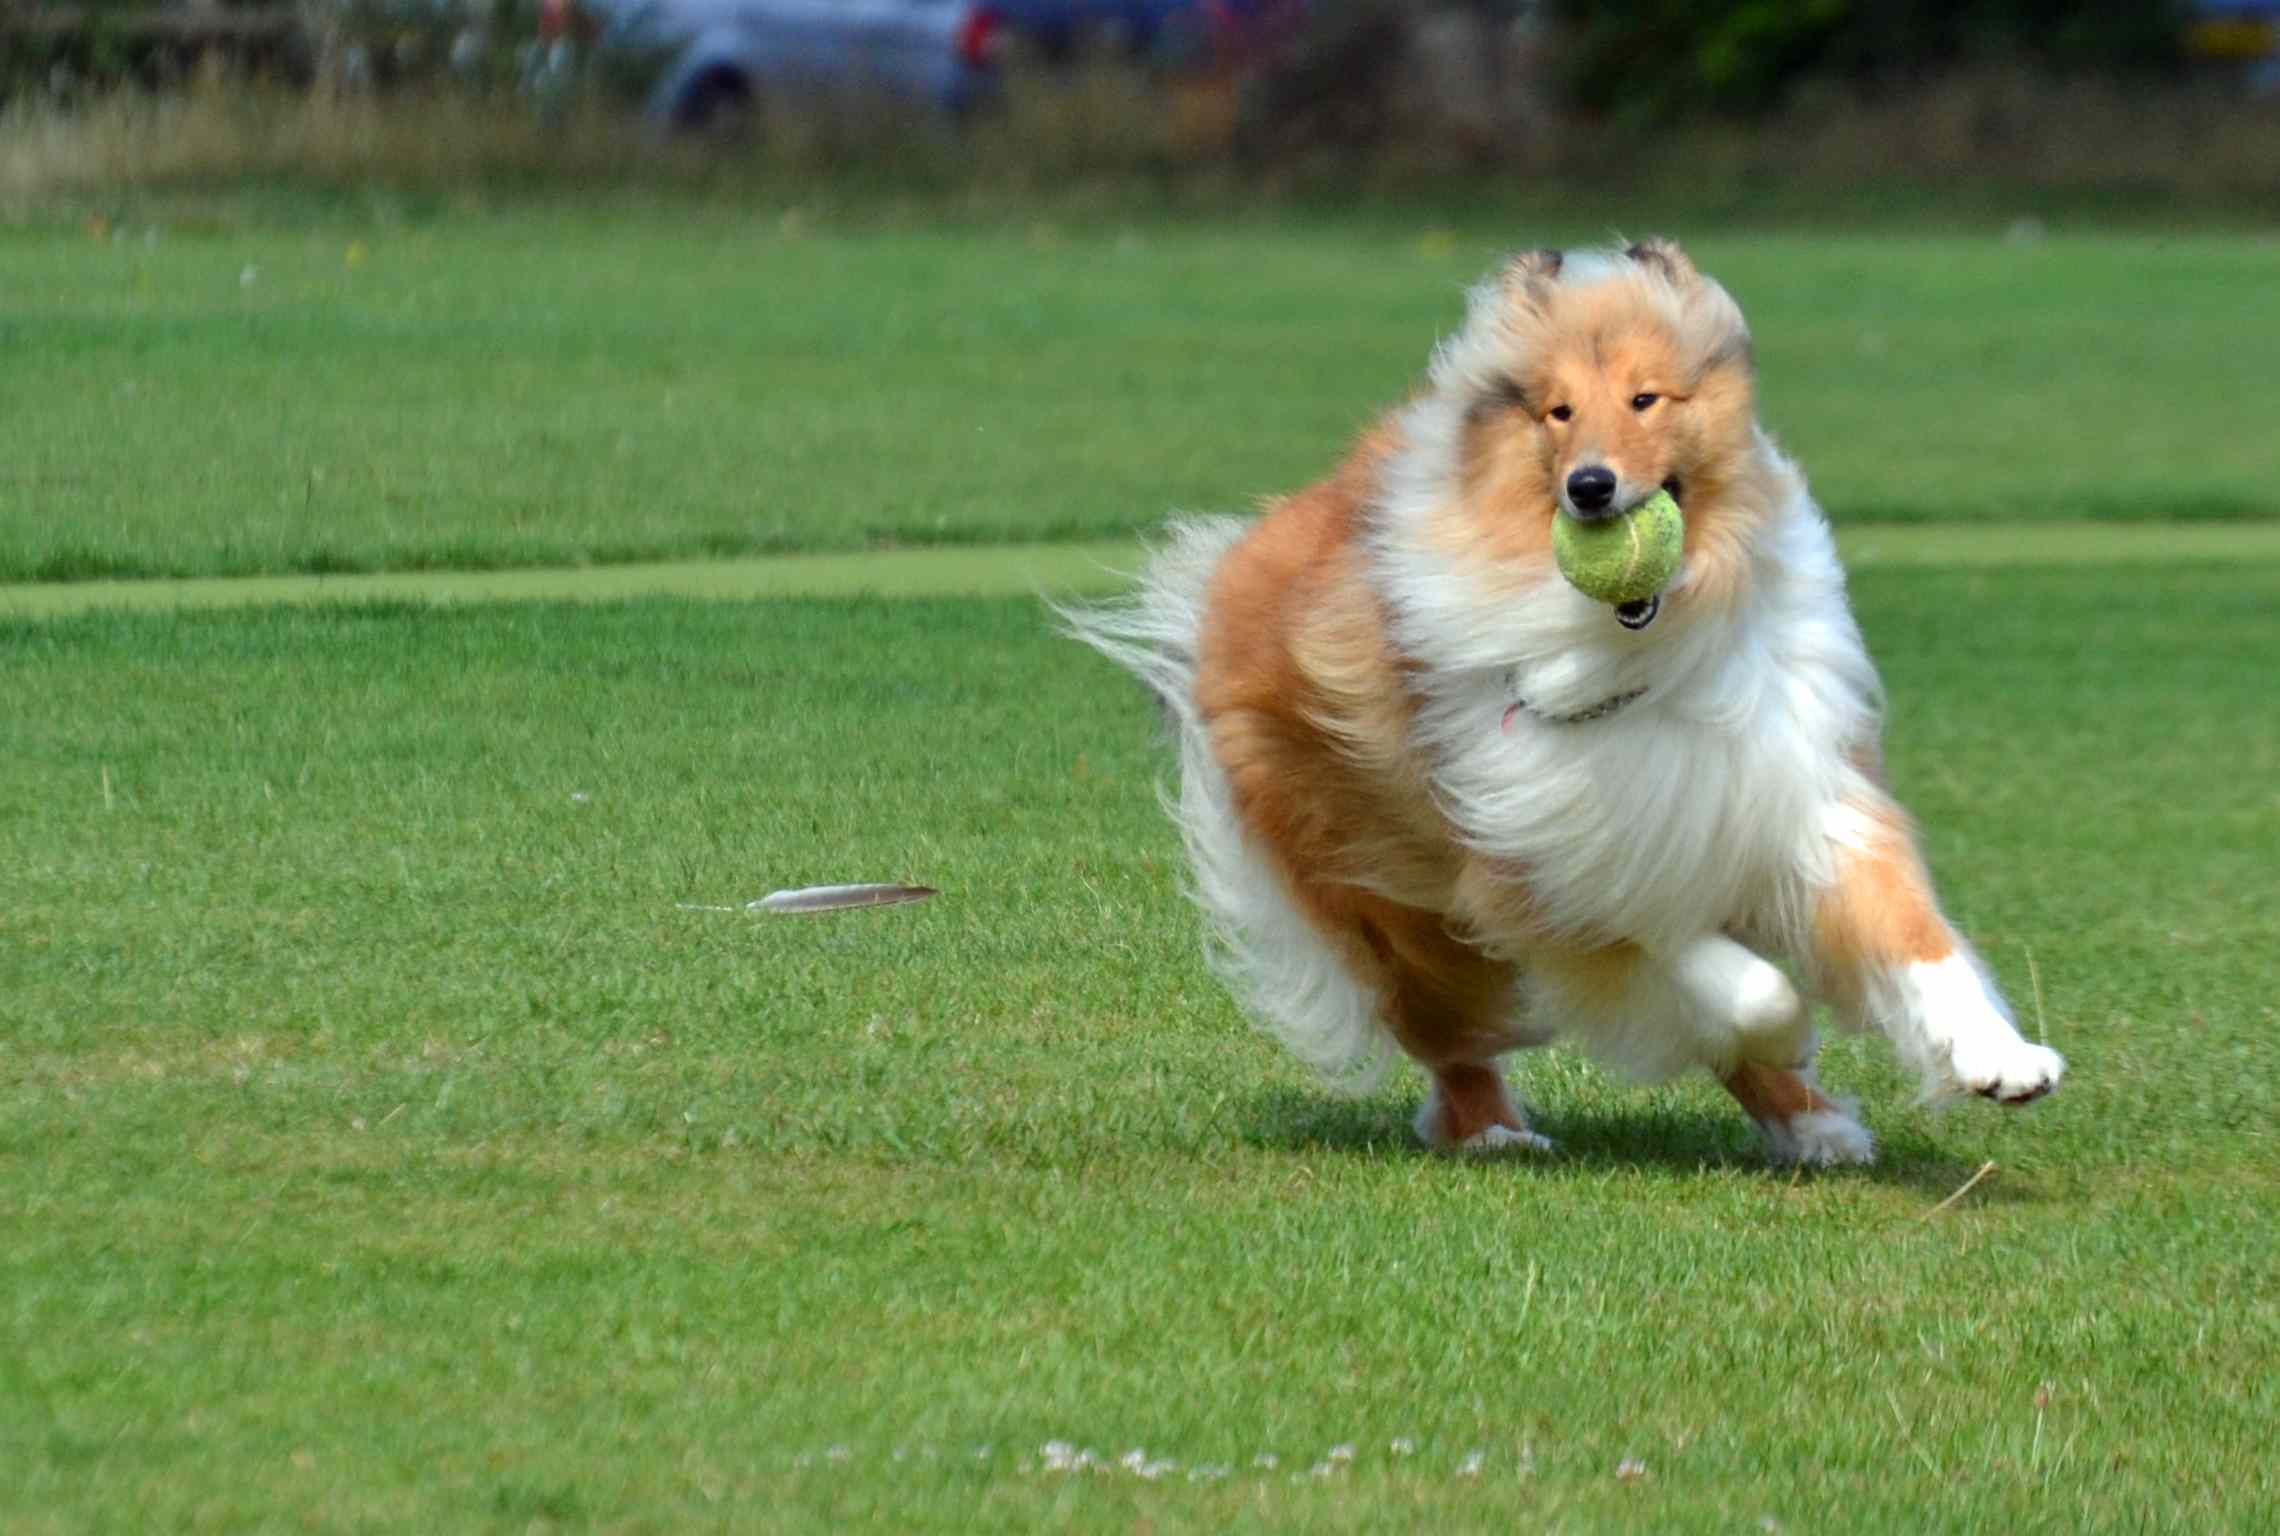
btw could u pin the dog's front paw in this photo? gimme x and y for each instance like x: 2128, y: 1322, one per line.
x: 2008, y: 1070
x: 1954, y: 1027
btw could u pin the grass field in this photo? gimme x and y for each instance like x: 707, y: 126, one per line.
x: 384, y: 1144
x: 389, y: 1140
x: 205, y: 399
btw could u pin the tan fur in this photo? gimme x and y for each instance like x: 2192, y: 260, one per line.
x: 1299, y: 685
x: 1774, y: 1097
x: 1471, y: 1098
x: 1597, y: 350
x: 1880, y: 911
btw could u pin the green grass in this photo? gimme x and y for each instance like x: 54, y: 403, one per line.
x: 383, y: 1143
x: 563, y: 388
x: 382, y: 1146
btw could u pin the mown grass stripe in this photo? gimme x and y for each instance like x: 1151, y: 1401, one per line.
x: 1085, y: 567
x: 523, y: 388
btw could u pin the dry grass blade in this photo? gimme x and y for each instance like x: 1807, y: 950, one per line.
x: 1986, y: 1169
x: 839, y: 898
x: 2042, y: 1025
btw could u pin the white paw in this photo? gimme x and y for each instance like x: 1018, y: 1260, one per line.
x: 1825, y: 1138
x: 1487, y: 1142
x: 1501, y: 1138
x: 1951, y: 1023
x: 2004, y: 1067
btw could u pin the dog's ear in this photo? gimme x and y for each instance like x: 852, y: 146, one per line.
x: 1664, y: 256
x: 1528, y: 277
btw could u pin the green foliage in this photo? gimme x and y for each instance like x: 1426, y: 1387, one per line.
x: 1666, y: 59
x: 477, y: 45
x: 62, y: 52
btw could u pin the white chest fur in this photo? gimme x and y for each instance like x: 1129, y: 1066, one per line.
x: 1710, y: 801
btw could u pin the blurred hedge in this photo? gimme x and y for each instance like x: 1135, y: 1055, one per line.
x: 1667, y: 59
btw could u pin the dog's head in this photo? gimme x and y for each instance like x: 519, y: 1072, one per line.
x: 1583, y: 381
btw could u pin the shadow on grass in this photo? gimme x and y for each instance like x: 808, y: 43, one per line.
x: 1653, y: 1132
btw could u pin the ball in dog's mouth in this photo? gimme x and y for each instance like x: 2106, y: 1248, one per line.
x: 1638, y: 615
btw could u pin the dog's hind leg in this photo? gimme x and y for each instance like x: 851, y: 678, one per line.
x: 1469, y: 1111
x: 1799, y: 1122
x: 1453, y: 1010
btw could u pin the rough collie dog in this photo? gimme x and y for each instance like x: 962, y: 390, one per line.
x: 1437, y: 799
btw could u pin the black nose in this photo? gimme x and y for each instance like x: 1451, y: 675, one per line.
x: 1591, y: 491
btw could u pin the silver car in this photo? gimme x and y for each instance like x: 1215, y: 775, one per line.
x: 722, y: 55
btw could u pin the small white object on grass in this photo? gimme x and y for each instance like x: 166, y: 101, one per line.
x: 822, y: 898
x: 839, y: 898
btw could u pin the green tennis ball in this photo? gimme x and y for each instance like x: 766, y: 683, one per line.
x: 1621, y: 559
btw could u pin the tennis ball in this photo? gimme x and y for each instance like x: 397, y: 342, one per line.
x: 1621, y: 559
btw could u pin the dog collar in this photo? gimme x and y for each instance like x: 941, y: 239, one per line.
x: 1599, y: 711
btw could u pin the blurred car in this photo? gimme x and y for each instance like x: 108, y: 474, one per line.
x: 720, y: 55
x: 1171, y: 33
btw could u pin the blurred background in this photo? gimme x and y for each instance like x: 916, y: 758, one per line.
x: 1743, y: 103
x: 425, y: 285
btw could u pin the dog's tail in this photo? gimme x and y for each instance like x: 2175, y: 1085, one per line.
x: 1278, y: 965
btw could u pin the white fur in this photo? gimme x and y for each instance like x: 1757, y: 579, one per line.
x: 1275, y: 962
x: 1487, y: 1141
x: 1702, y: 806
x: 1721, y: 802
x: 1823, y: 1138
x: 1764, y: 1019
x: 1717, y: 802
x: 1949, y: 1023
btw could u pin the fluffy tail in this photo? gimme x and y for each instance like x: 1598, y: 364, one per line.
x: 1280, y: 968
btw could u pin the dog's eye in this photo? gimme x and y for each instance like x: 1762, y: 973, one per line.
x: 1562, y: 412
x: 1641, y: 402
